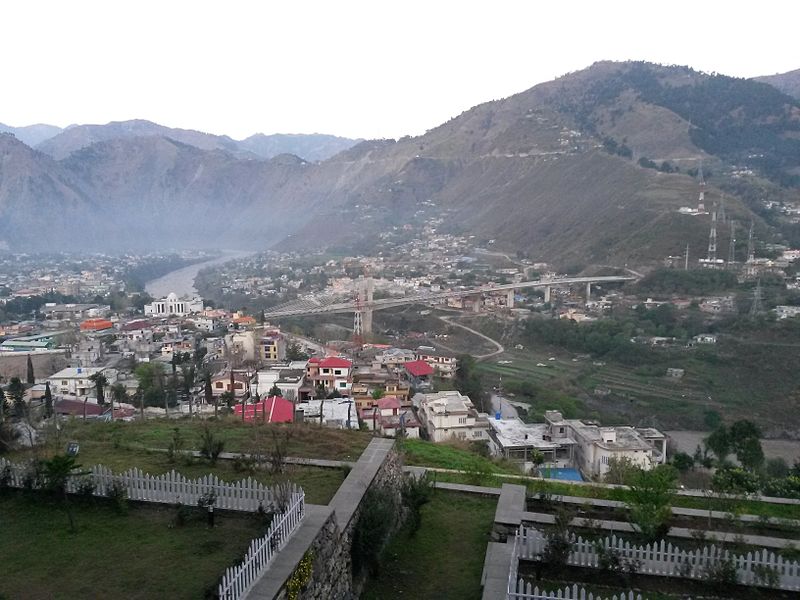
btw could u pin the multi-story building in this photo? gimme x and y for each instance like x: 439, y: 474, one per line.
x: 444, y: 364
x: 333, y: 373
x: 272, y: 346
x: 573, y: 443
x: 172, y: 305
x: 447, y: 415
x: 76, y: 381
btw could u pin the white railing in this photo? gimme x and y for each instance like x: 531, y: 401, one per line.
x: 525, y: 591
x: 760, y: 567
x: 237, y: 580
x: 170, y: 488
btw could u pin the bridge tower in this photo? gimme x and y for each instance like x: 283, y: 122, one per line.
x: 362, y: 319
x: 712, y: 238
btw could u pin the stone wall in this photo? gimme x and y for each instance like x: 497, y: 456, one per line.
x: 327, y: 533
x: 15, y: 364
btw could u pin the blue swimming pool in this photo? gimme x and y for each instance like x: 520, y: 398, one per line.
x: 563, y: 474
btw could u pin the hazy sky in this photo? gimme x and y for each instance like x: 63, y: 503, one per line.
x: 357, y: 69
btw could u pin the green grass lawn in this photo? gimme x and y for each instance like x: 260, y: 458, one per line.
x: 303, y: 439
x: 445, y: 557
x: 319, y: 484
x: 454, y: 455
x: 137, y: 555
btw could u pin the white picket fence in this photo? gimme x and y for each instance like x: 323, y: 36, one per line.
x: 236, y: 581
x: 665, y: 559
x: 170, y: 488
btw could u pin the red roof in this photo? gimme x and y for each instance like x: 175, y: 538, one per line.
x: 388, y: 402
x: 75, y: 407
x: 418, y: 368
x: 270, y: 410
x: 334, y: 362
x: 314, y: 359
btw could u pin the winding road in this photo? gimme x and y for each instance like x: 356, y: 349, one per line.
x: 495, y: 343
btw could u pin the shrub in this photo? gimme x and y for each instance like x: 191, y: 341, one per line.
x: 372, y: 529
x: 210, y: 445
x: 415, y: 493
x: 117, y: 493
x: 176, y: 445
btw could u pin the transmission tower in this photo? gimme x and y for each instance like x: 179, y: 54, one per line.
x: 751, y: 251
x: 358, y: 322
x: 701, y: 201
x: 732, y: 245
x: 755, y: 307
x: 712, y: 238
x: 722, y: 209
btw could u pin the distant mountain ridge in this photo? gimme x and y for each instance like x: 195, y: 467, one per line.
x: 590, y: 168
x: 32, y: 134
x: 312, y: 147
x: 788, y: 83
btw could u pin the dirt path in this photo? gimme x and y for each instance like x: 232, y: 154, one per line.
x: 500, y: 349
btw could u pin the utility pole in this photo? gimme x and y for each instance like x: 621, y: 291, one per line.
x: 686, y: 259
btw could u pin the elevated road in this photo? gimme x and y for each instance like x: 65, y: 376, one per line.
x: 314, y: 306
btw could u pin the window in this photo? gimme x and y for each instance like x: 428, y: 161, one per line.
x: 218, y: 385
x: 462, y: 420
x: 238, y: 385
x: 64, y: 382
x: 337, y: 372
x: 342, y: 384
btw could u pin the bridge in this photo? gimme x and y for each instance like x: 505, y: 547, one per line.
x: 363, y: 305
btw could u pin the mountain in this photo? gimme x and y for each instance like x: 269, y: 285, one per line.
x: 80, y: 136
x: 32, y: 134
x: 313, y: 147
x: 788, y: 83
x: 588, y: 169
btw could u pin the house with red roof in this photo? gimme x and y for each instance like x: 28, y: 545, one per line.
x: 419, y: 373
x: 332, y: 372
x: 273, y: 409
x: 389, y: 416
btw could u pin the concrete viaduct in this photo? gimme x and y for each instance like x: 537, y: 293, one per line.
x: 364, y: 304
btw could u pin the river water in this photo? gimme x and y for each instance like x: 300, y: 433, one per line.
x: 181, y: 281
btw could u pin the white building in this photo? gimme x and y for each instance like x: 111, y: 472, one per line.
x: 76, y: 382
x: 787, y: 312
x: 339, y: 412
x: 446, y: 415
x: 172, y: 305
x: 595, y: 446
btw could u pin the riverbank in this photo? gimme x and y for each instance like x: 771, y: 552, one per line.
x: 181, y: 281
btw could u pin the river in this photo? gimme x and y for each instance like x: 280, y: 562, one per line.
x: 181, y: 281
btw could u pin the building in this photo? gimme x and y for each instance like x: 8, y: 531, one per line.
x: 518, y: 441
x: 390, y: 417
x: 443, y: 363
x: 449, y: 415
x: 74, y: 312
x: 419, y: 374
x: 594, y: 447
x: 338, y: 412
x: 76, y: 381
x: 787, y: 312
x: 172, y: 305
x: 94, y: 325
x: 272, y: 346
x: 222, y: 383
x: 273, y: 409
x: 333, y: 373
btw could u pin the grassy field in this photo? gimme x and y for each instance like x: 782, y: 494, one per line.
x: 557, y: 488
x: 304, y: 440
x: 724, y: 378
x: 454, y: 455
x: 138, y: 555
x: 444, y: 559
x: 120, y: 447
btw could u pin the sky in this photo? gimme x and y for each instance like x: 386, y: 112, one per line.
x: 371, y: 69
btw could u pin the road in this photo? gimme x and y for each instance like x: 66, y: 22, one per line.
x: 500, y: 349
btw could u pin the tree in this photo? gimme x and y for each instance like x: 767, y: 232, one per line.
x: 275, y: 391
x: 293, y: 352
x: 17, y: 393
x: 30, y: 375
x: 187, y: 379
x: 377, y: 393
x: 651, y: 494
x: 682, y: 461
x: 719, y: 442
x: 745, y: 441
x: 48, y: 401
x: 100, y: 382
x: 118, y: 394
x: 3, y: 406
x: 208, y: 392
x: 620, y: 470
x: 58, y: 471
x: 468, y: 381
